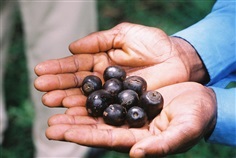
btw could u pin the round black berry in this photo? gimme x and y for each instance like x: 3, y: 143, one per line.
x: 97, y: 102
x: 113, y: 86
x: 136, y: 83
x: 114, y: 72
x: 136, y: 117
x: 115, y: 115
x: 90, y: 84
x: 128, y: 98
x: 152, y: 103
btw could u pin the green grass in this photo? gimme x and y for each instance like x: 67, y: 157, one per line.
x: 171, y: 16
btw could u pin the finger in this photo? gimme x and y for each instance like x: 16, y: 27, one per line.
x: 166, y: 143
x: 152, y: 145
x: 73, y: 119
x: 53, y: 82
x: 70, y: 80
x: 120, y: 139
x: 55, y: 98
x: 57, y: 132
x: 101, y: 62
x: 77, y: 111
x: 120, y: 43
x: 47, y: 83
x: 93, y: 43
x: 103, y: 135
x: 131, y: 59
x: 149, y: 146
x: 74, y: 101
x: 100, y: 41
x: 83, y: 62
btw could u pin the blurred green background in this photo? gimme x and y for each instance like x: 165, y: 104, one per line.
x: 169, y: 15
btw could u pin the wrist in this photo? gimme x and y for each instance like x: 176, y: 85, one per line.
x: 194, y: 65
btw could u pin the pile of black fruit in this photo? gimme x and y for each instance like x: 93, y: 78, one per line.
x: 121, y: 99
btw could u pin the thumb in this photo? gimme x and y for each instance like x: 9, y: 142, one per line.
x: 101, y: 41
x: 167, y: 142
x: 153, y: 145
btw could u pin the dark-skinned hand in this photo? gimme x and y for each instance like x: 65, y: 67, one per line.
x: 144, y: 51
x: 188, y: 115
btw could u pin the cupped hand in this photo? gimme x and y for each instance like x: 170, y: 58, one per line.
x: 188, y: 115
x: 160, y: 59
x: 144, y: 51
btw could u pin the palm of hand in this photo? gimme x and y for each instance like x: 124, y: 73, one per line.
x: 140, y: 50
x: 180, y: 125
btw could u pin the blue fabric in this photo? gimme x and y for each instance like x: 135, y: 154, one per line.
x: 225, y: 129
x: 214, y: 39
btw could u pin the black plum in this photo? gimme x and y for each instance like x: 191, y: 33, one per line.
x: 121, y: 100
x: 114, y: 72
x: 152, y: 103
x: 97, y: 102
x: 90, y: 84
x: 113, y: 86
x: 128, y: 98
x: 115, y: 115
x: 136, y: 83
x: 136, y: 117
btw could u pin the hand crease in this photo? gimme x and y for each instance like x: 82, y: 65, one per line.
x: 60, y: 65
x: 111, y: 142
x: 76, y: 80
x: 77, y: 65
x: 101, y: 40
x: 59, y: 81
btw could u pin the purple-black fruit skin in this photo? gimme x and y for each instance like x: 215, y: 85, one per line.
x: 128, y: 98
x: 115, y: 115
x: 136, y: 83
x: 114, y: 72
x: 136, y: 117
x: 90, y: 84
x: 152, y: 103
x: 121, y: 99
x: 113, y: 86
x: 97, y: 102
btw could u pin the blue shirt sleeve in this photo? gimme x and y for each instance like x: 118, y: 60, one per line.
x: 214, y: 39
x: 225, y: 128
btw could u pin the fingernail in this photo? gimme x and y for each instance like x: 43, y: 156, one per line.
x: 139, y: 153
